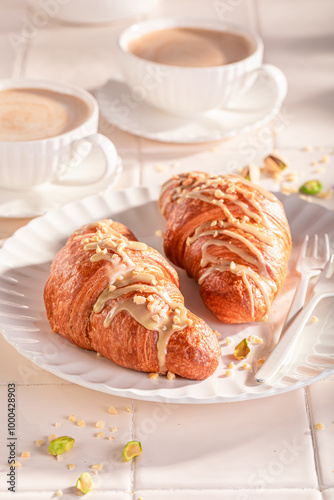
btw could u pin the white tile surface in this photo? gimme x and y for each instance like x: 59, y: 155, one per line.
x: 328, y: 494
x: 38, y: 409
x: 237, y: 494
x: 177, y: 440
x: 321, y: 397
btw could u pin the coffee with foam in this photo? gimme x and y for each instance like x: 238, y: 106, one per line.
x: 192, y: 47
x: 30, y: 114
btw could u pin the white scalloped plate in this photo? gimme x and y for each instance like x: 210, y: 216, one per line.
x: 24, y: 265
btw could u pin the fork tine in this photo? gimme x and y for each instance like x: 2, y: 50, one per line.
x: 326, y: 273
x: 315, y: 246
x: 304, y: 246
x: 327, y: 247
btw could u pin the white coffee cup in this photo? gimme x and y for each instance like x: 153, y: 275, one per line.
x: 29, y: 163
x: 185, y: 90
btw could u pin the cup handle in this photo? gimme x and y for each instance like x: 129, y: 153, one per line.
x: 279, y: 80
x: 110, y: 154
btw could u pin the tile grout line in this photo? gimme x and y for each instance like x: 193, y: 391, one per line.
x: 311, y: 426
x: 133, y: 462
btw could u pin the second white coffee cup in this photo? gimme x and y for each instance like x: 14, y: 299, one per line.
x: 25, y: 164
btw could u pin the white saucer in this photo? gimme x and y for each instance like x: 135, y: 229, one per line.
x: 41, y: 199
x: 255, y: 108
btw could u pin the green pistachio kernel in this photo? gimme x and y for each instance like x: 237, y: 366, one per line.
x: 60, y: 445
x: 132, y: 449
x: 242, y: 349
x: 311, y: 187
x: 84, y: 484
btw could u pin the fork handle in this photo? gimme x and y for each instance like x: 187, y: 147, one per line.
x: 282, y: 349
x: 298, y: 300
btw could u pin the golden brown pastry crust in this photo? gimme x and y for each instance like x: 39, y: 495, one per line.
x: 244, y: 266
x: 76, y: 283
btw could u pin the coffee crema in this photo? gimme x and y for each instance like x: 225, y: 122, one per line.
x: 29, y: 114
x: 191, y: 47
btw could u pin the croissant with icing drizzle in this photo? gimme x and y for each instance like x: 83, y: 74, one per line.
x: 232, y: 237
x: 110, y: 293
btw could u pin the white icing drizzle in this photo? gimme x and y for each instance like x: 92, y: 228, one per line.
x: 216, y: 190
x: 138, y: 290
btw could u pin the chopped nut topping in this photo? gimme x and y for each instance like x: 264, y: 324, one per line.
x: 98, y: 249
x: 189, y: 321
x: 81, y: 423
x: 72, y: 418
x: 153, y: 376
x: 112, y: 410
x: 71, y: 466
x: 52, y: 437
x: 155, y: 318
x: 100, y: 424
x: 232, y: 265
x: 213, y: 223
x: 219, y: 193
x: 150, y: 298
x: 39, y: 442
x: 100, y: 435
x: 170, y: 375
x: 319, y: 426
x: 96, y: 466
x: 138, y: 299
x: 25, y: 454
x: 255, y: 339
x: 175, y: 327
x: 112, y: 288
x: 176, y: 320
x: 164, y: 328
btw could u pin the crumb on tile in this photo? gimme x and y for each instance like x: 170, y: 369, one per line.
x: 246, y: 366
x: 81, y: 423
x: 57, y: 424
x: 160, y: 168
x: 52, y: 437
x: 100, y: 424
x: 129, y: 409
x: 100, y: 435
x: 112, y: 410
x: 59, y: 458
x: 314, y: 319
x: 96, y: 466
x: 325, y: 159
x: 113, y: 429
x: 39, y: 442
x: 170, y: 375
x: 71, y: 466
x: 59, y: 493
x: 17, y: 464
x: 228, y: 373
x: 111, y: 438
x: 25, y: 454
x: 308, y: 147
x: 254, y: 339
x: 158, y: 233
x: 228, y: 340
x: 260, y: 361
x: 319, y: 426
x: 231, y: 366
x: 153, y: 376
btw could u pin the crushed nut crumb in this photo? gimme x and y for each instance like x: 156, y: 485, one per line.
x: 25, y: 454
x: 228, y: 340
x: 260, y: 362
x: 112, y: 410
x: 96, y: 466
x: 81, y: 423
x: 309, y: 147
x: 289, y: 190
x: 254, y: 339
x: 153, y: 376
x: 246, y: 366
x: 129, y: 409
x: 325, y: 159
x: 52, y: 437
x: 100, y: 435
x: 72, y: 418
x: 314, y: 319
x: 59, y: 493
x: 110, y: 438
x: 228, y: 373
x: 158, y: 233
x: 113, y: 429
x: 138, y: 299
x: 218, y: 334
x: 17, y: 464
x: 59, y: 458
x: 170, y: 375
x: 100, y: 424
x: 39, y: 442
x: 71, y: 466
x: 99, y: 355
x: 57, y: 424
x: 319, y: 426
x: 231, y: 366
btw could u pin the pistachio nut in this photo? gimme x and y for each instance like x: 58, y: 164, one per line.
x: 60, y: 445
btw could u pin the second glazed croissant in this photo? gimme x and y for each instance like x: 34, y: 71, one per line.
x: 232, y: 237
x: 110, y: 293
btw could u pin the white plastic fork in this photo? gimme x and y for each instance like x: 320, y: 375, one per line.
x: 308, y: 266
x: 323, y: 288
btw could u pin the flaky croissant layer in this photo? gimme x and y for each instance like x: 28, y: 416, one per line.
x: 232, y: 237
x: 110, y: 293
